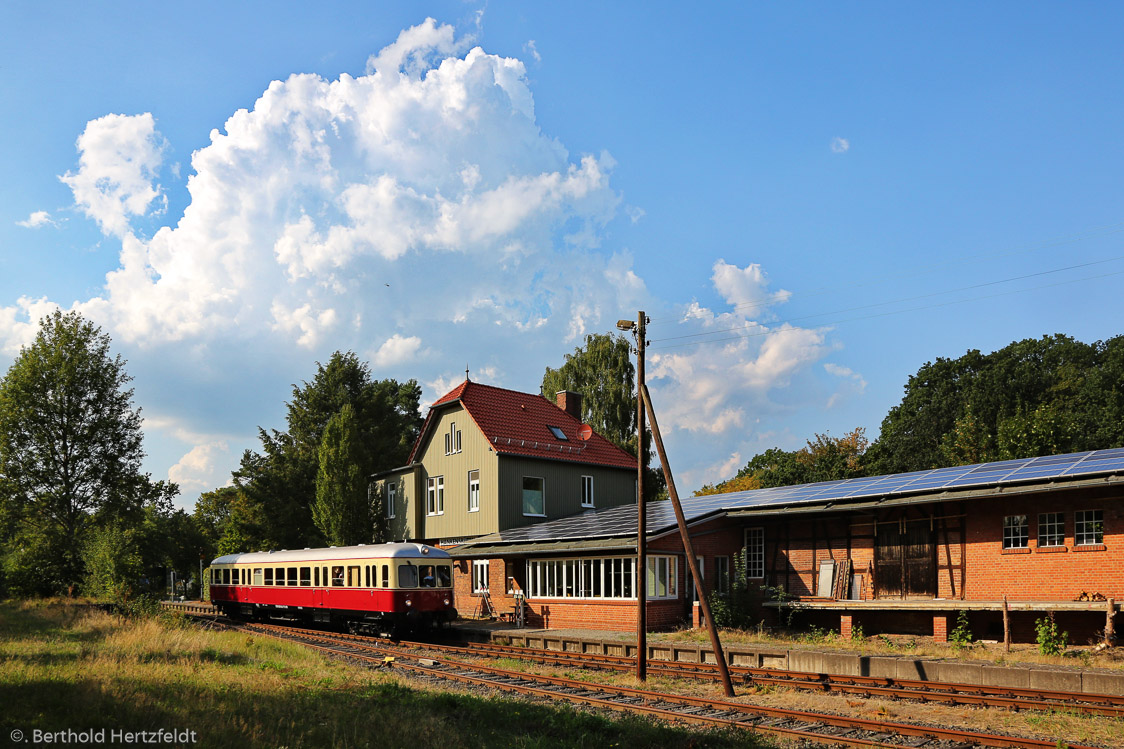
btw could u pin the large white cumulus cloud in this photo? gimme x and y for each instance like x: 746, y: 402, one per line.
x: 429, y: 171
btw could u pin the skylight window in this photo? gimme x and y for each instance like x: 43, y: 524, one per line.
x: 556, y: 432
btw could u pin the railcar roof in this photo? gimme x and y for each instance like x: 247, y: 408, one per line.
x: 333, y: 553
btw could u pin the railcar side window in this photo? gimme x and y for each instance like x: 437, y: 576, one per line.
x: 353, y: 577
x: 269, y: 576
x: 386, y: 575
x: 316, y: 576
x: 306, y: 576
x: 366, y: 575
x: 257, y: 576
x: 337, y: 576
x: 292, y: 576
x: 444, y: 578
x: 226, y: 577
x: 407, y: 576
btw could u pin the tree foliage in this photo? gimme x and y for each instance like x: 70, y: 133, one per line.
x: 70, y: 452
x: 271, y: 505
x: 1033, y: 397
x: 603, y: 373
x: 341, y: 511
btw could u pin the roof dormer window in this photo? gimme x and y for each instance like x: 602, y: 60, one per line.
x: 558, y: 433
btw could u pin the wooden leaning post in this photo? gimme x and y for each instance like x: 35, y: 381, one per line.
x: 1006, y: 626
x: 1109, y: 625
x: 688, y: 548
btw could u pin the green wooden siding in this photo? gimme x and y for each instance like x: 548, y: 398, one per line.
x: 612, y: 487
x: 475, y: 454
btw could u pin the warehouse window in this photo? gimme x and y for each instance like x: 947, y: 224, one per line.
x: 582, y: 578
x: 587, y: 491
x: 755, y: 553
x: 479, y: 575
x: 1051, y: 529
x: 1088, y: 528
x: 391, y: 497
x: 663, y: 577
x: 1015, y: 532
x: 722, y: 575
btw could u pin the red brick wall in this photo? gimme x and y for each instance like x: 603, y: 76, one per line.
x: 1055, y: 574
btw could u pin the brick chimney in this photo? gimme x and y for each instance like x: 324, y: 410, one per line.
x: 570, y: 402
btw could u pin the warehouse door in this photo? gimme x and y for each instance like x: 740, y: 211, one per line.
x: 904, y: 563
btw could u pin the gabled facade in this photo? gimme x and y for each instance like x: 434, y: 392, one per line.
x: 490, y: 459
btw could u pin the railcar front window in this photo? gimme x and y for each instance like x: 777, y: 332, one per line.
x: 444, y: 576
x: 428, y: 578
x: 407, y: 576
x: 337, y: 577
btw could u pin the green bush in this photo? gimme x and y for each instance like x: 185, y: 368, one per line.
x: 1050, y: 640
x: 961, y: 636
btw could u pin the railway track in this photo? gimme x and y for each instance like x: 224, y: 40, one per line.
x: 791, y: 725
x: 867, y: 686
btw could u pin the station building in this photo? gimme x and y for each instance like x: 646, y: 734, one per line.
x: 903, y: 553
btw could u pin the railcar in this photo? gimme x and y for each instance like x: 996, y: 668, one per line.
x: 378, y: 588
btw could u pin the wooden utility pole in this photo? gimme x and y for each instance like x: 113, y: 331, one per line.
x: 639, y: 329
x: 688, y: 547
x: 641, y: 514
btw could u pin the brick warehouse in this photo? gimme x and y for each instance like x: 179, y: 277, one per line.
x: 893, y: 554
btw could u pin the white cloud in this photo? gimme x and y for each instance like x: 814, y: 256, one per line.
x: 36, y: 220
x: 853, y: 383
x: 20, y: 323
x: 203, y: 467
x: 396, y: 350
x: 711, y: 387
x: 840, y: 145
x: 745, y: 287
x: 530, y: 47
x: 119, y: 156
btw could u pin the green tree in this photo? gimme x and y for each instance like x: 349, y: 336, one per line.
x: 603, y: 373
x: 114, y: 565
x: 277, y: 487
x: 341, y: 511
x: 824, y: 458
x: 1032, y: 397
x: 70, y: 450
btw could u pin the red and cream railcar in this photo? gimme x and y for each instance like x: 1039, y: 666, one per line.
x: 381, y: 587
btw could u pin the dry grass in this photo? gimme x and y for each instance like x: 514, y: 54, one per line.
x: 63, y: 666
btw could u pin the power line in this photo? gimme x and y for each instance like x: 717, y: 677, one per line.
x: 894, y: 312
x: 1099, y: 231
x: 906, y: 299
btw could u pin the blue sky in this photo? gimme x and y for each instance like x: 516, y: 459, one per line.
x: 809, y: 201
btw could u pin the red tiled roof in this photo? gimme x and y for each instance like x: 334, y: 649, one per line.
x: 516, y: 423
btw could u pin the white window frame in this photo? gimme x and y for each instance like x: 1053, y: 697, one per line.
x: 587, y: 491
x: 435, y: 495
x: 596, y: 578
x: 755, y: 553
x: 542, y: 495
x: 662, y: 581
x: 691, y: 592
x: 452, y: 439
x: 1088, y: 528
x: 479, y: 576
x: 391, y: 498
x: 474, y: 491
x: 1051, y: 532
x: 722, y: 576
x: 1016, y: 532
